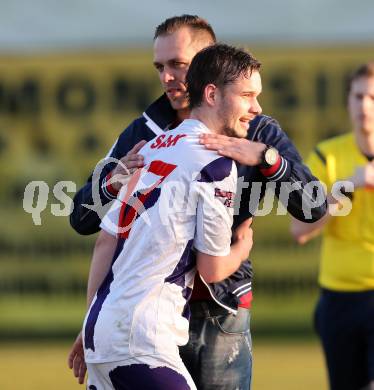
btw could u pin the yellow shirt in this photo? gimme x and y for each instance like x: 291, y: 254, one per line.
x: 347, y: 258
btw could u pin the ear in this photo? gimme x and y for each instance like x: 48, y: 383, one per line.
x: 210, y: 94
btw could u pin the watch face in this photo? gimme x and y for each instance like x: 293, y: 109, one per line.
x: 271, y: 156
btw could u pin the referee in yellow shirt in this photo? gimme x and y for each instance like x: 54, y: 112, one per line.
x: 344, y: 317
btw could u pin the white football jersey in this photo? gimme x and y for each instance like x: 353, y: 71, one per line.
x: 180, y: 201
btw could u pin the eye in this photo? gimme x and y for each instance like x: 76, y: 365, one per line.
x: 179, y: 64
x: 159, y: 67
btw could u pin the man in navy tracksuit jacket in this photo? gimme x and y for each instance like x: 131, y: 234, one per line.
x: 218, y: 354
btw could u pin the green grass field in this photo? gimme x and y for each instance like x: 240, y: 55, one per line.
x: 288, y: 365
x: 286, y: 354
x: 281, y: 365
x: 60, y: 318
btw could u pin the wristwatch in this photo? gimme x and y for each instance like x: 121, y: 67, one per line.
x: 269, y: 157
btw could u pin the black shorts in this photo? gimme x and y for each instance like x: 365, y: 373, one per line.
x: 345, y: 324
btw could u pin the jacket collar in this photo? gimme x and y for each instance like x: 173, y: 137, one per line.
x: 159, y: 115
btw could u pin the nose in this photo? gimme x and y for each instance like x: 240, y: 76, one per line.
x: 255, y: 108
x: 167, y: 76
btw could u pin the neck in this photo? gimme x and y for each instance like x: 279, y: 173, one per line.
x: 183, y: 114
x: 365, y: 141
x: 208, y: 120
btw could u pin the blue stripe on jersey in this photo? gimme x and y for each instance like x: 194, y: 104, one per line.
x: 187, y: 292
x: 102, y: 293
x: 186, y: 263
x: 217, y: 170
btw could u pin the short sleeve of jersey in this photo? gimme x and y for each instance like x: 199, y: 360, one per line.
x: 215, y: 191
x: 317, y: 164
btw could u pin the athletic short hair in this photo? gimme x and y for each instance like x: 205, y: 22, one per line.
x: 219, y: 64
x: 364, y: 70
x: 194, y: 22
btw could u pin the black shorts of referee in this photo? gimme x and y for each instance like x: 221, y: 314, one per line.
x: 345, y: 324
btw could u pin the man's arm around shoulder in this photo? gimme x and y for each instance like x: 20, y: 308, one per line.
x: 86, y: 221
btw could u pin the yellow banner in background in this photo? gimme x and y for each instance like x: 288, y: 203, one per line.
x: 60, y: 113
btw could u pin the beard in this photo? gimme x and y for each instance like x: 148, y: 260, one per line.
x: 227, y: 128
x: 229, y: 131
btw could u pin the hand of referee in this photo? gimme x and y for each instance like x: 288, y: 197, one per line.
x: 364, y: 176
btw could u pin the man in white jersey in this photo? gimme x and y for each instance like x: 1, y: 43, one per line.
x: 138, y: 317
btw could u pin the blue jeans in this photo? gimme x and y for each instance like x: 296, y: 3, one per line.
x: 219, y: 352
